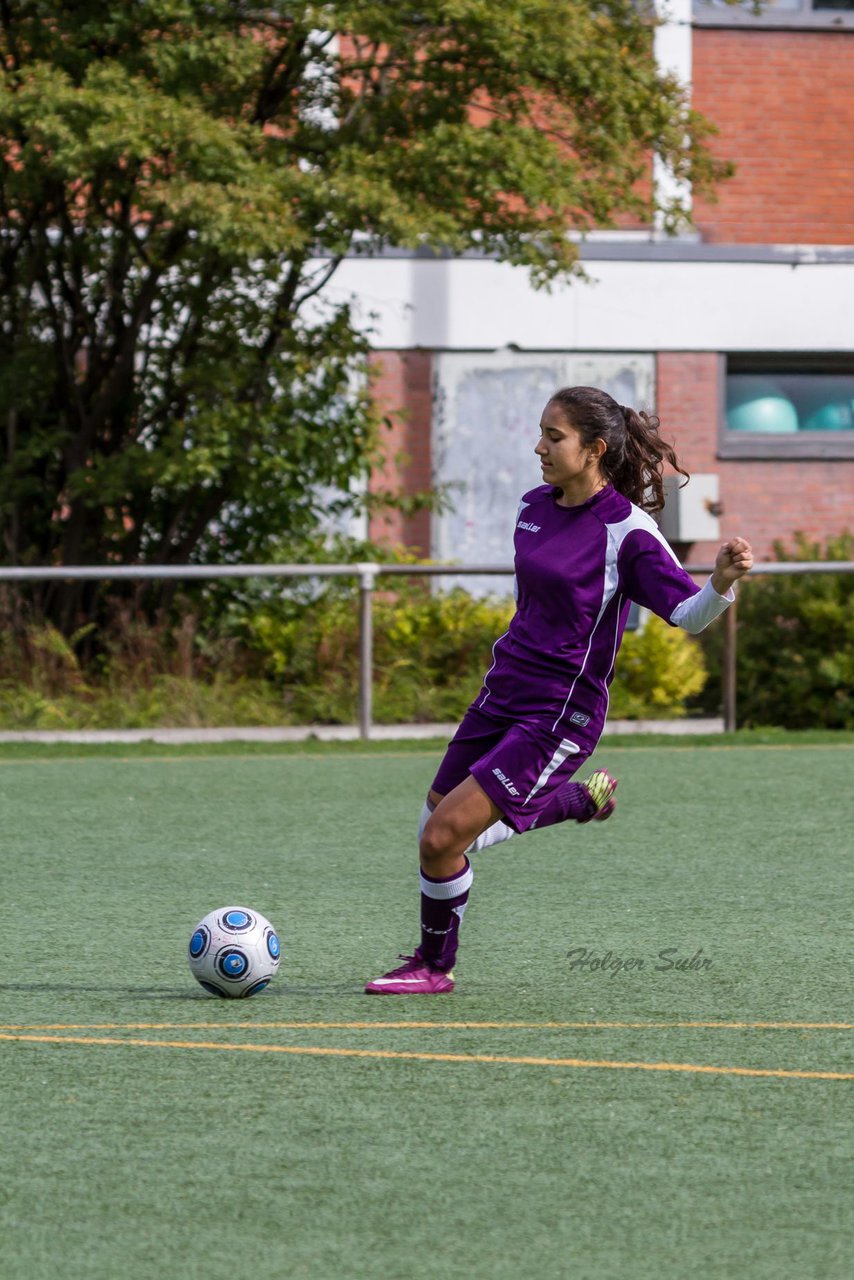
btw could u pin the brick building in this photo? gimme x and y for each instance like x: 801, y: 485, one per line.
x: 739, y: 334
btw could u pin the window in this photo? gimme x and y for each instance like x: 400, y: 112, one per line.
x: 787, y: 405
x: 774, y: 13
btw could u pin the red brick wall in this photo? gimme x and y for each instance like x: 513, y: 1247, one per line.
x: 763, y: 500
x: 784, y: 104
x: 404, y: 390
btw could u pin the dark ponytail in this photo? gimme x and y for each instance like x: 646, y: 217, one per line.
x: 635, y: 453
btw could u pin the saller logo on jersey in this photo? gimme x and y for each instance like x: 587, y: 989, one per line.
x: 505, y: 782
x: 578, y: 717
x: 532, y: 528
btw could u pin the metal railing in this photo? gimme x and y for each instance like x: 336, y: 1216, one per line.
x: 367, y: 573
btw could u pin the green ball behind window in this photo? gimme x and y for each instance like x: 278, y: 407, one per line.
x: 757, y: 404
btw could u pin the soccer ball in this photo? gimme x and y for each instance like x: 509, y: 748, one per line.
x: 234, y: 952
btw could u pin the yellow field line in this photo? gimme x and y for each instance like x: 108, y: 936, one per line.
x: 399, y: 1055
x: 426, y: 1026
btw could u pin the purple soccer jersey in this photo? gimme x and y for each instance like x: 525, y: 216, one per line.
x: 578, y: 569
x: 542, y: 707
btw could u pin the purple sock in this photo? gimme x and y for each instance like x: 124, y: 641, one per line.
x: 443, y: 904
x: 572, y: 800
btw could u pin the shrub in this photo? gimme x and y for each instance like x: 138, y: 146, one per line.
x: 795, y: 644
x: 131, y: 673
x: 165, y: 702
x: 269, y: 654
x: 658, y: 670
x: 431, y: 651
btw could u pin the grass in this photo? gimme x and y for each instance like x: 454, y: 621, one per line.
x: 468, y: 1156
x: 21, y: 749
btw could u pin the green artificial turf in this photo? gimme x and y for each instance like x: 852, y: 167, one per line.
x: 130, y: 1161
x: 38, y: 749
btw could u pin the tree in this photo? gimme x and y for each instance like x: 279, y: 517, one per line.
x: 182, y: 177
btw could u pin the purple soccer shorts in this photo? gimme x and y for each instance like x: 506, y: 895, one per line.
x: 518, y: 764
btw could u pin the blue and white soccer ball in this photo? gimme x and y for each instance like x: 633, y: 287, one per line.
x: 234, y: 952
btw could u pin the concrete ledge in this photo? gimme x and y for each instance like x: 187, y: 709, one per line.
x: 678, y: 728
x: 321, y: 732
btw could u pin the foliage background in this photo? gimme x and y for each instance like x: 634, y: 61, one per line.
x: 795, y: 641
x: 182, y: 180
x: 256, y: 654
x: 292, y: 657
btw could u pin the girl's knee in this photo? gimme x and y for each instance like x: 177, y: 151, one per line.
x: 433, y: 846
x: 439, y: 841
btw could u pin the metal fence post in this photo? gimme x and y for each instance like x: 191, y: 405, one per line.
x: 367, y: 579
x: 729, y: 669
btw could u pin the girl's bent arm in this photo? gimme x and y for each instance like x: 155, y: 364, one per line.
x: 733, y: 561
x: 695, y: 613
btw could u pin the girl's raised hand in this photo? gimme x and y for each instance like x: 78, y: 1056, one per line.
x: 733, y: 561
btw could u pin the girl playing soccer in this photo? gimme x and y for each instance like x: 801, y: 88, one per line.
x: 586, y: 547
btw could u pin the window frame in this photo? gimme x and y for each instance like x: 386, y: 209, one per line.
x: 806, y: 18
x: 772, y: 446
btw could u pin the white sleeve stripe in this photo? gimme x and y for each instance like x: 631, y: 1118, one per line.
x: 695, y: 613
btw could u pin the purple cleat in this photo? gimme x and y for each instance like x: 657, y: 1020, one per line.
x: 415, y: 977
x: 600, y: 787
